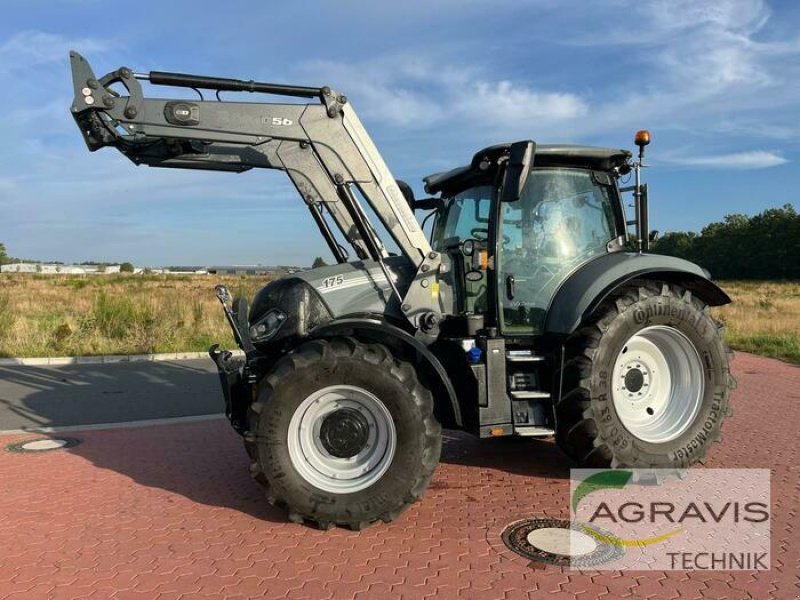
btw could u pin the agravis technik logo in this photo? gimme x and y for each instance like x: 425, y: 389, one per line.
x: 704, y: 519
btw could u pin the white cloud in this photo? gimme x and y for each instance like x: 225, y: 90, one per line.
x: 419, y: 92
x: 757, y: 159
x: 28, y: 49
x: 695, y: 65
x: 715, y: 52
x: 746, y: 16
x: 509, y: 104
x: 698, y: 67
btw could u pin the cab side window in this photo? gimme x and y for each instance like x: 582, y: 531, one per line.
x: 466, y: 216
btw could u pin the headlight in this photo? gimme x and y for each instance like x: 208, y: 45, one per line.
x: 267, y: 326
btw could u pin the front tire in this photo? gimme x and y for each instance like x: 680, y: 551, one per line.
x: 343, y: 433
x: 646, y: 382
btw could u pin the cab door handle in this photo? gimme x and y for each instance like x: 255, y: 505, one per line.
x: 510, y: 287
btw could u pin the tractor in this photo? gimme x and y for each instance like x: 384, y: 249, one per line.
x: 525, y: 302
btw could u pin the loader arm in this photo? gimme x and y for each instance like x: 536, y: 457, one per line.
x: 322, y: 146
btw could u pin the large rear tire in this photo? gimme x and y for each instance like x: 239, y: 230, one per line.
x: 646, y: 382
x: 343, y: 433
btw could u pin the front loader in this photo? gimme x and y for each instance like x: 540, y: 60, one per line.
x: 533, y: 309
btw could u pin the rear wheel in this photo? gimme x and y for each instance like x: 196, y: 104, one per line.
x: 343, y: 433
x: 646, y: 382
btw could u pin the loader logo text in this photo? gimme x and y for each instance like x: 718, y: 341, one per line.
x: 278, y: 121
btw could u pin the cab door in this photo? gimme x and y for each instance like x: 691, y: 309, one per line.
x: 562, y: 219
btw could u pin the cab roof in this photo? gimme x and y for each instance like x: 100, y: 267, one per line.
x: 546, y: 155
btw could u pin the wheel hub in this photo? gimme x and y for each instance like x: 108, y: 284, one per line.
x: 341, y: 439
x: 634, y: 380
x: 344, y: 432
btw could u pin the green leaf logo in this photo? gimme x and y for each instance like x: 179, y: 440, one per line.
x: 600, y: 481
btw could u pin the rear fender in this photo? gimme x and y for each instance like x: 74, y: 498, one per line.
x: 581, y: 294
x: 376, y: 329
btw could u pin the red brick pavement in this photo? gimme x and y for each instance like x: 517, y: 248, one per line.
x: 171, y: 512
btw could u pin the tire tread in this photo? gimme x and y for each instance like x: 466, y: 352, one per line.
x: 577, y: 431
x: 379, y: 357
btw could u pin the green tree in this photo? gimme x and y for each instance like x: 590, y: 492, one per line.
x: 319, y: 262
x: 3, y: 255
x: 676, y: 243
x: 764, y: 246
x: 126, y: 267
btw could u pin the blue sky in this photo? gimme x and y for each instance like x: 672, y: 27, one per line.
x: 717, y: 83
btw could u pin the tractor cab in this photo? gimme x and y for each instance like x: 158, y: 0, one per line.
x: 510, y: 257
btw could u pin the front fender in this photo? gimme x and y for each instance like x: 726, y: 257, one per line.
x: 587, y: 287
x: 377, y: 329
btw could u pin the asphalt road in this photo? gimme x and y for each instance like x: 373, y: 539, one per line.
x: 72, y: 395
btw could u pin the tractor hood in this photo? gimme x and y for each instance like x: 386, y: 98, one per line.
x: 311, y: 298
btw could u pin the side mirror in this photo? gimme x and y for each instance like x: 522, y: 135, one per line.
x: 653, y: 235
x: 427, y: 203
x: 518, y: 167
x: 413, y: 203
x: 407, y: 192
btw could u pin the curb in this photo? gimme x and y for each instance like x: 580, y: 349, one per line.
x: 107, y: 359
x: 116, y: 425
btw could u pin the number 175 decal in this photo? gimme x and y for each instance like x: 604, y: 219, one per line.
x: 331, y: 282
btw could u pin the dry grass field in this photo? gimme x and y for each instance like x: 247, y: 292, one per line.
x: 764, y: 318
x: 131, y: 314
x: 44, y: 315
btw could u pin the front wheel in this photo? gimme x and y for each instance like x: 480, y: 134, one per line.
x: 646, y: 382
x: 343, y: 433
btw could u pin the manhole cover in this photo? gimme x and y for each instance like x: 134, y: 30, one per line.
x: 559, y: 542
x: 43, y: 445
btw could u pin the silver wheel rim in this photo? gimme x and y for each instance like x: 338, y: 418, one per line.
x: 658, y: 384
x: 322, y: 469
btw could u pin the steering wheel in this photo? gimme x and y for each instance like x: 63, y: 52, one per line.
x: 482, y: 234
